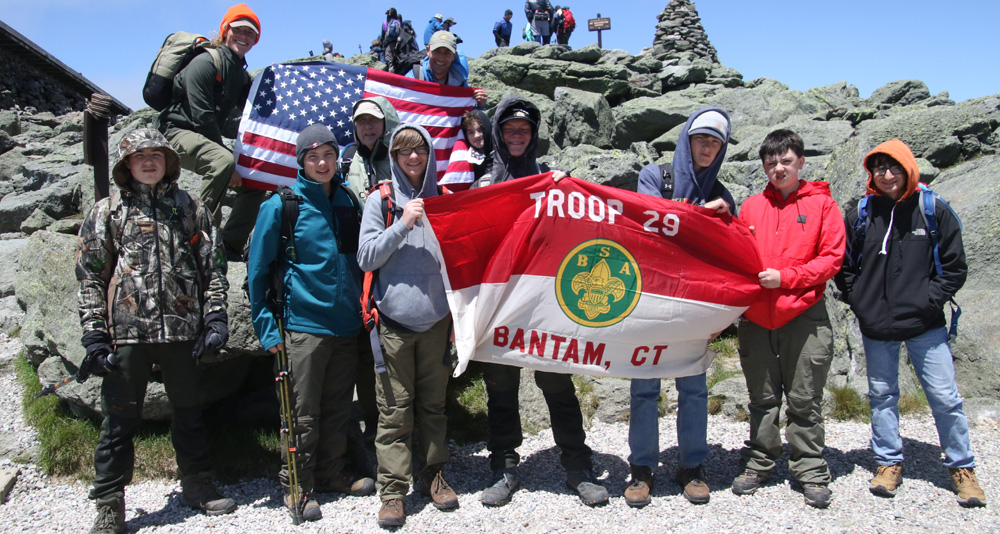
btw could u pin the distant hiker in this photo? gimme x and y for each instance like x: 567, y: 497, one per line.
x: 539, y: 14
x: 526, y: 33
x: 391, y: 29
x: 446, y: 65
x: 692, y: 177
x: 433, y: 26
x: 785, y: 338
x: 415, y: 323
x: 328, y: 50
x: 502, y: 29
x: 408, y: 53
x: 152, y: 292
x: 903, y: 265
x: 564, y: 24
x: 321, y: 292
x: 515, y: 134
x: 204, y: 100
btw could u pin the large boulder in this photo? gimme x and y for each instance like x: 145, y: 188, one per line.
x: 899, y: 93
x: 581, y: 118
x: 615, y: 168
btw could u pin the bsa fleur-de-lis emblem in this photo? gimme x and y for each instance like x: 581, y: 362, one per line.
x: 598, y: 286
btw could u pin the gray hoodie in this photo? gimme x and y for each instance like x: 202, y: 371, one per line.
x: 408, y: 288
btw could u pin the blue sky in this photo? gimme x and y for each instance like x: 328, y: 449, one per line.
x: 950, y: 46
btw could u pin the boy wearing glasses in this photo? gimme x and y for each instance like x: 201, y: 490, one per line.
x: 514, y: 156
x: 893, y: 285
x: 785, y: 337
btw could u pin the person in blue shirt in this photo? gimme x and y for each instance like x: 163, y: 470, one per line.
x: 502, y: 29
x: 433, y: 26
x: 446, y: 65
x: 322, y: 315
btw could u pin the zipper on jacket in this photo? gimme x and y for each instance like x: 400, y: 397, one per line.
x: 159, y: 270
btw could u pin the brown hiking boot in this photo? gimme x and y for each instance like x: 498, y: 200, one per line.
x: 967, y: 486
x: 692, y: 479
x: 432, y: 485
x: 199, y: 492
x: 391, y: 514
x: 308, y: 507
x: 345, y: 482
x: 110, y: 516
x: 637, y: 492
x: 887, y: 479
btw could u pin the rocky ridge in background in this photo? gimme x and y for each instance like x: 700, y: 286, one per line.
x: 606, y: 114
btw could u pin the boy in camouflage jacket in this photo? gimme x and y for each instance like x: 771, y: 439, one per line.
x: 152, y: 290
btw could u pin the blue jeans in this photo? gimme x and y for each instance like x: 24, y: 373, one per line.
x: 931, y: 357
x: 692, y: 421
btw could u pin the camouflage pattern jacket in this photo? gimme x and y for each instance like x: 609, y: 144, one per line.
x: 148, y: 265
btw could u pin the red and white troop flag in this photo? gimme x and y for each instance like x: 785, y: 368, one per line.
x: 286, y: 98
x: 575, y: 277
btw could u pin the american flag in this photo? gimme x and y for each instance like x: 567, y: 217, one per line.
x: 286, y: 98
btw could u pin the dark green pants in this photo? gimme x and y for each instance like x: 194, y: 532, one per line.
x: 215, y: 164
x: 791, y: 361
x: 122, y: 396
x: 323, y: 370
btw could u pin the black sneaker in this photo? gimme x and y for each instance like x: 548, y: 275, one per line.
x: 748, y: 482
x: 583, y: 482
x: 504, y: 485
x: 199, y: 492
x: 817, y: 495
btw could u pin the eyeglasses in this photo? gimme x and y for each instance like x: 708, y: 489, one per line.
x: 421, y: 151
x: 516, y: 131
x: 897, y: 170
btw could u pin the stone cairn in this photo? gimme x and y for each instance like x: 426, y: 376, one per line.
x: 680, y: 33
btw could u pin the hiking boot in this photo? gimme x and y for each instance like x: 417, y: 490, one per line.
x: 504, y: 486
x: 583, y: 482
x: 199, y: 492
x: 748, y: 482
x: 391, y: 514
x: 432, y: 485
x: 110, y: 516
x: 967, y: 486
x: 637, y: 492
x: 310, y: 509
x: 887, y: 479
x: 692, y: 479
x: 817, y: 495
x: 345, y: 482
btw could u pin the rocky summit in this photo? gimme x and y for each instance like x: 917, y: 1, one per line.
x: 606, y: 114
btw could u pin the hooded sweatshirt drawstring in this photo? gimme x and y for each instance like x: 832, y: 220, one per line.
x: 888, y: 230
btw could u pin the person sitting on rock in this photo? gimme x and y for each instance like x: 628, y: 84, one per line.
x: 897, y: 280
x: 785, y: 337
x: 199, y: 116
x: 445, y: 65
x: 514, y: 156
x: 414, y: 327
x: 692, y: 177
x: 321, y: 296
x: 152, y: 292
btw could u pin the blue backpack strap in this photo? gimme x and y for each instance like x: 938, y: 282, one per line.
x: 857, y: 243
x: 928, y: 200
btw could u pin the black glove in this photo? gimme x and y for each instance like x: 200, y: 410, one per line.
x: 213, y: 336
x: 100, y: 360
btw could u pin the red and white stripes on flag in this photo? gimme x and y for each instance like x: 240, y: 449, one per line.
x: 286, y: 98
x: 575, y: 277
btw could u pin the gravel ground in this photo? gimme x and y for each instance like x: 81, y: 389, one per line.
x: 925, y: 503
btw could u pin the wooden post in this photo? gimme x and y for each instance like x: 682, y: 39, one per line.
x: 96, y: 119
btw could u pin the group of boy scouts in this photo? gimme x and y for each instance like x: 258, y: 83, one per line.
x: 151, y: 266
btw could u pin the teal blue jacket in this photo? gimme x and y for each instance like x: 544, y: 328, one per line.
x: 323, y: 285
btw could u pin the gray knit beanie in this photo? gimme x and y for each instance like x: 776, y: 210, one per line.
x: 312, y: 137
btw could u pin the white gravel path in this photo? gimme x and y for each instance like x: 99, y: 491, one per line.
x: 925, y: 503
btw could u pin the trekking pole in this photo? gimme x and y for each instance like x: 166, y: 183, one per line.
x: 284, y: 380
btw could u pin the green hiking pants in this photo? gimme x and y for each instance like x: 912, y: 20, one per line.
x: 411, y: 398
x: 791, y: 361
x: 215, y: 164
x: 323, y: 370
